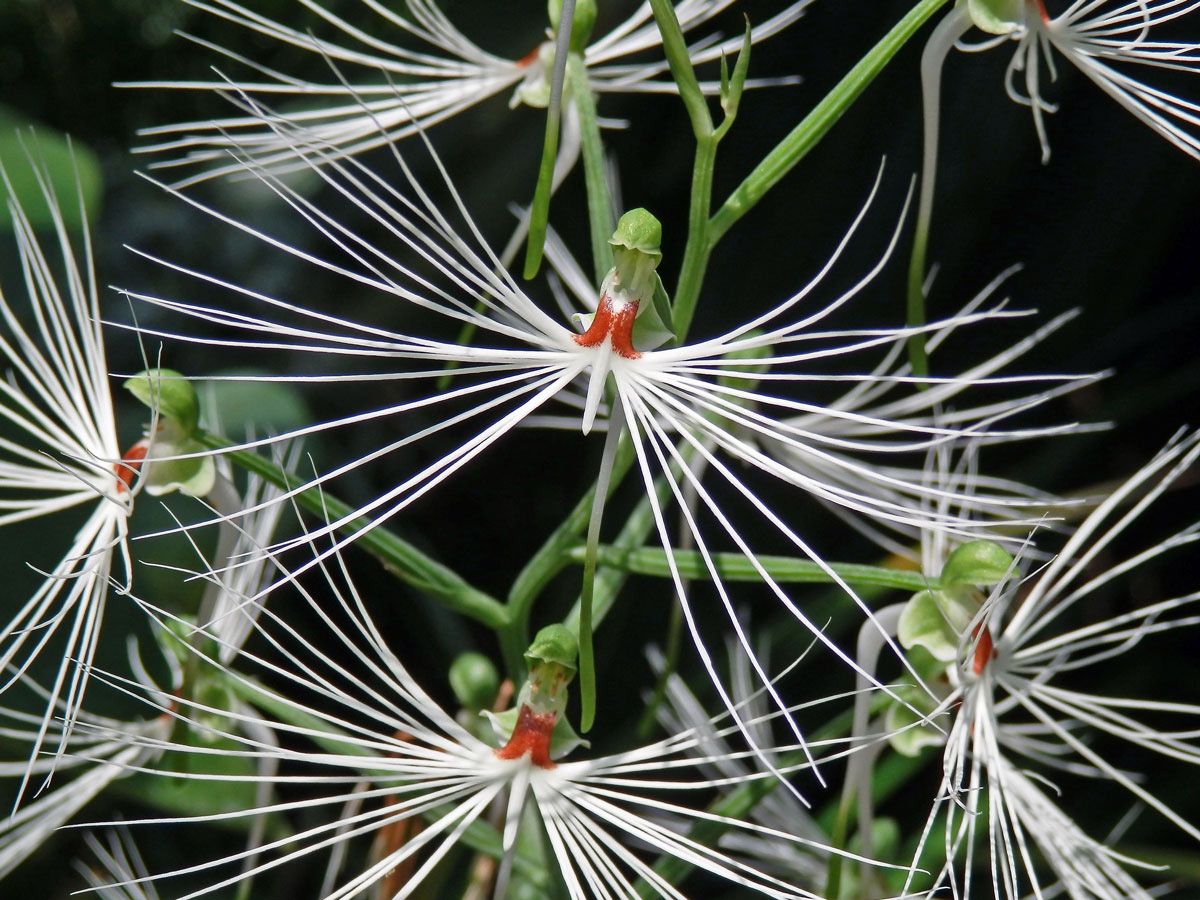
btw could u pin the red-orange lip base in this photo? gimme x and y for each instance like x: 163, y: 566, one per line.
x: 618, y: 324
x: 532, y: 736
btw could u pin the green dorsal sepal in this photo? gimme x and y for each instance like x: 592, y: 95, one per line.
x: 552, y: 660
x: 171, y: 396
x: 637, y: 251
x: 581, y: 28
x: 995, y: 16
x: 177, y: 415
x: 978, y: 563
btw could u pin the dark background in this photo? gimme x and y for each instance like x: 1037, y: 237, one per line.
x: 1109, y: 226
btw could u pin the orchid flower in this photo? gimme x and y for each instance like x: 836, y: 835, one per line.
x: 378, y: 762
x: 404, y: 90
x: 1103, y: 39
x: 62, y: 452
x: 1003, y: 653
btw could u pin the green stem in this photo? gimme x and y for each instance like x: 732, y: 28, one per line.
x: 813, y: 127
x: 600, y: 207
x: 397, y: 555
x: 680, y: 61
x: 735, y: 567
x: 699, y: 240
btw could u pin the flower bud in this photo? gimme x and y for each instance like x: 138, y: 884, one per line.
x: 474, y: 681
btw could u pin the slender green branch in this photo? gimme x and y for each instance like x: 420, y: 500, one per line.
x: 600, y: 206
x: 397, y: 555
x: 699, y: 242
x: 539, y: 211
x: 548, y: 561
x: 813, y: 127
x: 680, y: 61
x: 735, y: 567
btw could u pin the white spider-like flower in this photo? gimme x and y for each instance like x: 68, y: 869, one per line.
x: 385, y: 91
x: 61, y: 453
x: 370, y: 759
x: 1006, y: 654
x: 1105, y: 39
x: 1101, y: 38
x: 693, y: 401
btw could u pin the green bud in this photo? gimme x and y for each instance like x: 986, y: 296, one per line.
x: 169, y: 394
x: 976, y: 562
x: 553, y: 644
x: 581, y: 28
x: 474, y: 681
x: 995, y: 16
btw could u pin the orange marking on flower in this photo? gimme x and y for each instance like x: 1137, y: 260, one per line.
x: 528, y: 59
x: 130, y: 464
x: 532, y: 736
x: 985, y: 650
x: 1041, y: 7
x: 615, y: 322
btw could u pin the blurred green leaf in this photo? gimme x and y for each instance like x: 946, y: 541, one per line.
x: 234, y: 790
x: 232, y: 407
x: 71, y: 167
